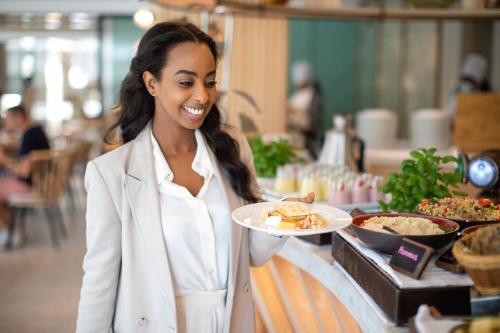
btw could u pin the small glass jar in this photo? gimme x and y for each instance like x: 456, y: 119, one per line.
x: 285, y: 180
x: 359, y: 191
x: 339, y: 194
x: 374, y: 189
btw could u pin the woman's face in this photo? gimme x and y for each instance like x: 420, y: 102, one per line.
x: 185, y: 91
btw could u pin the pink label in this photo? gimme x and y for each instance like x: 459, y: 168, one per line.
x: 407, y: 254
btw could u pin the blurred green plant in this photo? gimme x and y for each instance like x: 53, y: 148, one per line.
x: 268, y: 157
x: 421, y: 178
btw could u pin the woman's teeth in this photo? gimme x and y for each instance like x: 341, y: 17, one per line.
x: 194, y: 111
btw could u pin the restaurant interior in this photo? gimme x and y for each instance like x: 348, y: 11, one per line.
x: 376, y: 106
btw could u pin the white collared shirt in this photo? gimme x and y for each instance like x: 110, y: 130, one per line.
x: 196, y: 229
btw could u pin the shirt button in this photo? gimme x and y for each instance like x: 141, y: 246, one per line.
x: 142, y: 322
x: 245, y: 287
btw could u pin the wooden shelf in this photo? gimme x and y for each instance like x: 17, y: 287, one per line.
x: 443, y: 14
x: 375, y: 13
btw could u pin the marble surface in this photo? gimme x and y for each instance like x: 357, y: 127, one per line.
x: 318, y: 262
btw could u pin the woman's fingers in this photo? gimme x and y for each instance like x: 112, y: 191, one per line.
x: 309, y: 198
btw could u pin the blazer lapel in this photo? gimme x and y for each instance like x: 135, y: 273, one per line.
x: 144, y: 200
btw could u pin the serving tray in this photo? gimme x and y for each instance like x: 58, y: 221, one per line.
x: 398, y: 304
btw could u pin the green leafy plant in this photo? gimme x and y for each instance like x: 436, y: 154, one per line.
x: 268, y: 157
x: 421, y: 178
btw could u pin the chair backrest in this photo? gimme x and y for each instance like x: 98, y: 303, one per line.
x: 83, y: 149
x: 49, y: 172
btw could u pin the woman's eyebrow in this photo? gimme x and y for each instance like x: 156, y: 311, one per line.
x: 184, y: 71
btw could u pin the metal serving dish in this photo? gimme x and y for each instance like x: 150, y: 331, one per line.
x: 388, y: 242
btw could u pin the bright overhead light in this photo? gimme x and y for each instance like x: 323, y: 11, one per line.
x: 77, y: 78
x: 8, y: 101
x: 144, y: 18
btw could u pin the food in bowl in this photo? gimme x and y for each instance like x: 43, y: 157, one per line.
x: 295, y: 216
x: 488, y: 324
x: 479, y: 254
x: 404, y: 225
x: 484, y: 241
x: 389, y: 242
x: 461, y: 208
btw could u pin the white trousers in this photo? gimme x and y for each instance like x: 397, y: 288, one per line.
x: 201, y: 312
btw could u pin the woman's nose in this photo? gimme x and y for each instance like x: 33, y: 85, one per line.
x: 201, y: 95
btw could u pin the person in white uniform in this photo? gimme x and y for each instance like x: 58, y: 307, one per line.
x: 304, y: 109
x: 162, y: 252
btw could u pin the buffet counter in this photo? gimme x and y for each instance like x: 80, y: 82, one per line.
x: 318, y: 262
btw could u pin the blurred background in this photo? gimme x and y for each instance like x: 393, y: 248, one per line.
x: 312, y: 72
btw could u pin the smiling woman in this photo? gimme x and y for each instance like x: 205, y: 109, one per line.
x: 185, y: 92
x: 162, y: 251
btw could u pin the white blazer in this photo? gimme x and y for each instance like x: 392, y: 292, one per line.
x: 127, y: 285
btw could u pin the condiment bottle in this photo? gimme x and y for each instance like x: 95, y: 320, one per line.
x: 359, y: 191
x: 285, y: 180
x: 338, y: 195
x: 374, y: 189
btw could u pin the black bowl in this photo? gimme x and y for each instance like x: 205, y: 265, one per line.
x: 388, y: 242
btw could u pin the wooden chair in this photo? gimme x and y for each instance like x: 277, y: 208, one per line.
x: 79, y: 155
x: 49, y: 174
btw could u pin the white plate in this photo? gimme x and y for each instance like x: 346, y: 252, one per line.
x: 250, y: 216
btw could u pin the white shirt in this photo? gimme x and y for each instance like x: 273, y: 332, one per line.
x: 196, y: 229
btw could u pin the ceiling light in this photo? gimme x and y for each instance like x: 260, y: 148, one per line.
x: 144, y: 18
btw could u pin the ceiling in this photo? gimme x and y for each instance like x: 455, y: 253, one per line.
x: 96, y: 7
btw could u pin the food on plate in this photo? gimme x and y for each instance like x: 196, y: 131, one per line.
x: 461, y: 208
x: 404, y: 225
x: 295, y: 216
x: 485, y: 241
x: 293, y: 211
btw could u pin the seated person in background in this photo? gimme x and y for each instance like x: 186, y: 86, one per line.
x: 304, y: 110
x: 18, y: 179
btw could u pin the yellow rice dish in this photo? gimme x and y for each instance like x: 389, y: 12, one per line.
x: 404, y: 225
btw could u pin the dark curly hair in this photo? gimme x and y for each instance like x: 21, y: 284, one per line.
x: 137, y: 105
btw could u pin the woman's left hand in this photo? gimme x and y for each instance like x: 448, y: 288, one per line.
x: 309, y: 198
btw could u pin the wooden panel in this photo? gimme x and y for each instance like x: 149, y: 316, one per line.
x: 172, y: 14
x: 495, y: 56
x: 292, y: 300
x: 290, y: 278
x: 260, y: 327
x: 333, y: 316
x: 477, y: 122
x: 259, y: 68
x: 207, y: 3
x: 265, y: 289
